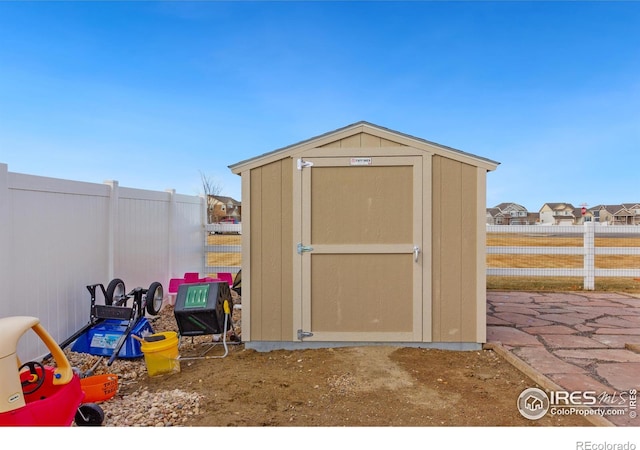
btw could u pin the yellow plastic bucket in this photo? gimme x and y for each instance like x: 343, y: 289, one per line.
x: 161, y: 355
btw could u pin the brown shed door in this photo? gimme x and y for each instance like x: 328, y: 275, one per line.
x: 360, y: 253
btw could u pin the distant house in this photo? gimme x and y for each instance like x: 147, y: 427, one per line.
x: 564, y: 214
x: 510, y: 214
x: 559, y: 214
x: 224, y: 209
x: 580, y: 217
x: 623, y: 214
x: 492, y: 216
x: 633, y: 216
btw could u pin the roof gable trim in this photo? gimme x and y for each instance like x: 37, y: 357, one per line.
x: 362, y: 127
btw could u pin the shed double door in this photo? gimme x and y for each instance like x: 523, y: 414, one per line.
x: 359, y: 255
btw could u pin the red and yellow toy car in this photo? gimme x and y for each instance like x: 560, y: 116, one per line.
x: 32, y: 394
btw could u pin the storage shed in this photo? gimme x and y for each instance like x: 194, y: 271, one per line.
x: 364, y: 235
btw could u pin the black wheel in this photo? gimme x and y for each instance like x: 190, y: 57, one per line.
x: 155, y: 297
x: 89, y: 415
x: 35, y: 379
x: 115, y: 292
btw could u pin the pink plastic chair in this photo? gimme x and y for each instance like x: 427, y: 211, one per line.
x: 226, y: 277
x: 174, y: 284
x: 191, y: 277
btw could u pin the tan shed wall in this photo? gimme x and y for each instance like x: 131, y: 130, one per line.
x: 271, y: 257
x: 454, y: 251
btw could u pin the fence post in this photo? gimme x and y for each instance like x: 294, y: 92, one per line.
x: 204, y: 220
x: 589, y: 256
x: 112, y: 229
x: 172, y: 239
x: 6, y: 255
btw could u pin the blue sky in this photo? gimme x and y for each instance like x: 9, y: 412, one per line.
x: 152, y: 94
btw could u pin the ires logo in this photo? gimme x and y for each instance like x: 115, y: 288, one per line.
x: 534, y: 403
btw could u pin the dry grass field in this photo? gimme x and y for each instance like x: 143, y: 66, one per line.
x: 223, y: 259
x: 560, y: 261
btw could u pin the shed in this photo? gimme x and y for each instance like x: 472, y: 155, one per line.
x: 364, y: 235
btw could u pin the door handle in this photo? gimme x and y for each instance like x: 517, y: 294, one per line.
x: 416, y: 253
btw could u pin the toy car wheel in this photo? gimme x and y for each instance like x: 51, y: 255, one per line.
x: 89, y: 414
x: 115, y: 291
x: 155, y: 297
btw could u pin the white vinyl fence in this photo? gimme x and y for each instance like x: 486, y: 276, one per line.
x: 588, y: 250
x: 59, y: 236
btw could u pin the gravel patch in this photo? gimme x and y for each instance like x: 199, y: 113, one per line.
x: 134, y: 405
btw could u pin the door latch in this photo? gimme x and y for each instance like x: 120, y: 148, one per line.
x: 303, y: 248
x: 416, y: 253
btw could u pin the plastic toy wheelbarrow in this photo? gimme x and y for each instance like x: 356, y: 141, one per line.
x: 32, y: 394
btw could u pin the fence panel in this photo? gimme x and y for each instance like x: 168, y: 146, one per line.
x: 159, y: 236
x: 223, y: 248
x: 58, y: 236
x: 55, y: 229
x: 586, y: 251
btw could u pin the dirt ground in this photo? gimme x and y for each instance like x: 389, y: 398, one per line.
x: 358, y: 386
